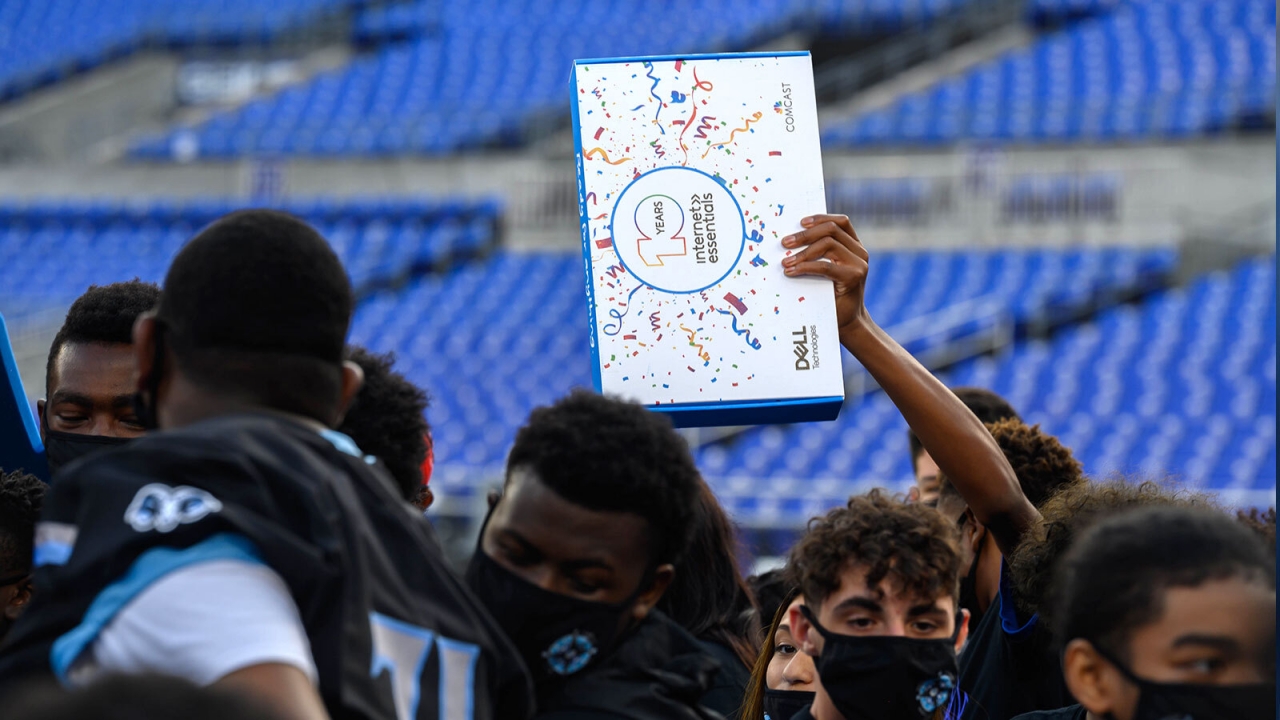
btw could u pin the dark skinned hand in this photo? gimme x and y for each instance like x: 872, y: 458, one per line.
x: 828, y: 246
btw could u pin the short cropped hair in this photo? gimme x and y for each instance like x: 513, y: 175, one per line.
x: 1066, y: 516
x: 1112, y: 580
x: 607, y: 454
x: 21, y: 497
x: 1042, y: 464
x: 988, y: 406
x: 912, y: 544
x: 258, y: 305
x: 1262, y: 523
x: 387, y: 419
x: 103, y: 314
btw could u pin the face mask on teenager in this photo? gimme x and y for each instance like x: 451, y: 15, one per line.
x: 785, y: 704
x: 62, y: 447
x: 558, y: 636
x: 1184, y: 701
x: 886, y: 676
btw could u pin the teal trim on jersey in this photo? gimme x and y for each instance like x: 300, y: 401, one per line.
x: 342, y: 442
x: 51, y: 553
x: 345, y: 444
x: 146, y: 570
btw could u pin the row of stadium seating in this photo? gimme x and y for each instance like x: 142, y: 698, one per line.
x: 1182, y: 385
x: 1034, y: 198
x: 492, y: 340
x: 51, y: 251
x: 45, y: 41
x: 472, y: 82
x: 861, y: 16
x: 473, y: 74
x: 1146, y: 70
x: 1047, y: 12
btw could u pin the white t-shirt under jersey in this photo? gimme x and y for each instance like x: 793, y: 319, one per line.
x: 202, y: 622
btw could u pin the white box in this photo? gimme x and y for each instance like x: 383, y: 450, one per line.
x: 691, y: 170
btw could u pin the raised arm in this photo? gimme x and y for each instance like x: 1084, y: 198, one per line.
x: 954, y: 437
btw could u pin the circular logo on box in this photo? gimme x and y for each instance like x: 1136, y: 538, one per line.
x: 678, y: 230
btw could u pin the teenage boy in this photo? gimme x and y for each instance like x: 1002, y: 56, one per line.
x: 881, y: 618
x: 1166, y: 612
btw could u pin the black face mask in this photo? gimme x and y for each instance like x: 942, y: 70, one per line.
x: 1185, y: 701
x: 62, y: 447
x: 785, y: 704
x: 557, y: 635
x: 886, y: 678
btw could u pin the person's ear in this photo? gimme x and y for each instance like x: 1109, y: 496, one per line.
x: 962, y: 632
x: 1091, y: 679
x: 40, y: 406
x: 662, y: 578
x: 975, y: 531
x: 352, y: 381
x: 18, y: 603
x: 913, y: 494
x: 807, y: 639
x: 144, y: 351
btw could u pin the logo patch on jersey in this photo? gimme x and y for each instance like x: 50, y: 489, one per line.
x: 935, y: 693
x: 162, y: 508
x: 570, y: 653
x: 54, y: 543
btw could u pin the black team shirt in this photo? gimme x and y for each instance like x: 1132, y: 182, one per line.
x: 1009, y: 666
x: 359, y: 562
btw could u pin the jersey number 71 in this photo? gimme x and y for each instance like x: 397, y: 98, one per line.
x: 402, y: 650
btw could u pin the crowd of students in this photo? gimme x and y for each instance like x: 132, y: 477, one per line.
x: 235, y: 529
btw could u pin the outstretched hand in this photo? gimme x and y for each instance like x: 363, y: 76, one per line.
x: 829, y: 246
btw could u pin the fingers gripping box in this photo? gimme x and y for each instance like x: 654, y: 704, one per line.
x: 691, y: 170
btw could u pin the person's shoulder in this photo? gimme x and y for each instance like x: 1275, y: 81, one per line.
x: 1071, y: 712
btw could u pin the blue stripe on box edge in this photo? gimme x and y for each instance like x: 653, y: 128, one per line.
x: 753, y: 412
x: 687, y: 58
x: 586, y: 230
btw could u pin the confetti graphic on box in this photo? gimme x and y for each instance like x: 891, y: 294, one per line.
x: 678, y: 158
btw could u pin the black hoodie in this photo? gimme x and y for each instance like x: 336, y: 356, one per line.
x: 658, y: 673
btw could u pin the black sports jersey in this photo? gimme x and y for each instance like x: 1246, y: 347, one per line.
x: 373, y: 592
x: 659, y: 672
x: 1008, y: 666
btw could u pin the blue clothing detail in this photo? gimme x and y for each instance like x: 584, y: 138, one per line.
x: 1008, y: 611
x: 51, y: 553
x: 345, y: 444
x: 146, y: 570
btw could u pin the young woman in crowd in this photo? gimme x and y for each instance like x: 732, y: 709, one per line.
x: 783, y: 678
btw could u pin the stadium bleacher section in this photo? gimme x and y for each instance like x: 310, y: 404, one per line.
x: 1182, y: 383
x: 464, y: 75
x: 45, y: 41
x: 51, y: 251
x: 489, y: 357
x: 1145, y: 70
